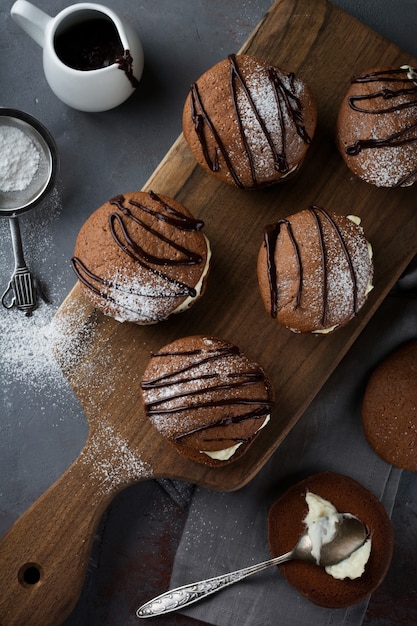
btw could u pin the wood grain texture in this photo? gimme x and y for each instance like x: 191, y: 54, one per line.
x: 325, y: 47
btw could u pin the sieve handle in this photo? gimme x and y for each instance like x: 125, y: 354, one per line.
x: 23, y: 287
x: 19, y: 258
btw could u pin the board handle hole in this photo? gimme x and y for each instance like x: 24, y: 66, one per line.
x: 30, y: 574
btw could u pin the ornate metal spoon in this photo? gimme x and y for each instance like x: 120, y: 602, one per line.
x: 351, y: 534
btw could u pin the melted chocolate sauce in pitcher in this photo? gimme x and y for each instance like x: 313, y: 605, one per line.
x: 89, y: 45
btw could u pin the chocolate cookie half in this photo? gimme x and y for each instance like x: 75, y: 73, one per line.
x: 206, y: 398
x: 248, y: 123
x: 389, y: 408
x: 286, y: 524
x: 314, y: 270
x: 141, y: 257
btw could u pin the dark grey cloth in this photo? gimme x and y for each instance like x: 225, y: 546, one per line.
x: 227, y: 531
x: 179, y: 491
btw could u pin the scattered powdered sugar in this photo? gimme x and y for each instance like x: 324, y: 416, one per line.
x: 29, y: 345
x: 37, y: 351
x: 19, y: 159
x: 25, y: 347
x: 26, y: 355
x: 30, y: 348
x: 111, y: 460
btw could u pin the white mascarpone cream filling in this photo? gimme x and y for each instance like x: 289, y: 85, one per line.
x: 321, y: 522
x: 411, y: 72
x: 227, y: 453
x: 198, y: 287
x: 356, y: 220
x: 290, y: 171
x: 353, y: 566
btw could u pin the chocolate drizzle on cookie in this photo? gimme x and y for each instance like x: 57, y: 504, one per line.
x: 395, y: 91
x: 205, y: 380
x: 119, y: 221
x: 288, y: 105
x: 271, y: 237
x: 172, y: 217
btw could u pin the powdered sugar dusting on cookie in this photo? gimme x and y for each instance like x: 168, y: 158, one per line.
x: 140, y: 256
x: 323, y: 270
x: 248, y: 122
x: 384, y: 167
x: 203, y: 391
x: 378, y: 127
x: 140, y: 298
x: 342, y: 288
x: 274, y: 112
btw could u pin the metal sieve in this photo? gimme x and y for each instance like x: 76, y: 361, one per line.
x: 23, y: 289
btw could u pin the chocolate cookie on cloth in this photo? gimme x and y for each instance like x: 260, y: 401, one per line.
x: 206, y: 398
x: 248, y: 123
x: 389, y: 408
x: 286, y: 524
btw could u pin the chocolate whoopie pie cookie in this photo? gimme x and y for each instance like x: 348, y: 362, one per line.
x: 206, y: 398
x: 377, y: 127
x: 248, y: 123
x: 389, y: 408
x: 314, y: 270
x: 141, y: 257
x: 286, y: 524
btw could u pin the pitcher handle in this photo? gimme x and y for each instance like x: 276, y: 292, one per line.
x: 33, y: 20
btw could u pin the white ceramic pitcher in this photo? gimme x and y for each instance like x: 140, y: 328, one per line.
x: 83, y: 89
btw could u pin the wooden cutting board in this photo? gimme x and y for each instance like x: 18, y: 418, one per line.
x: 45, y: 554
